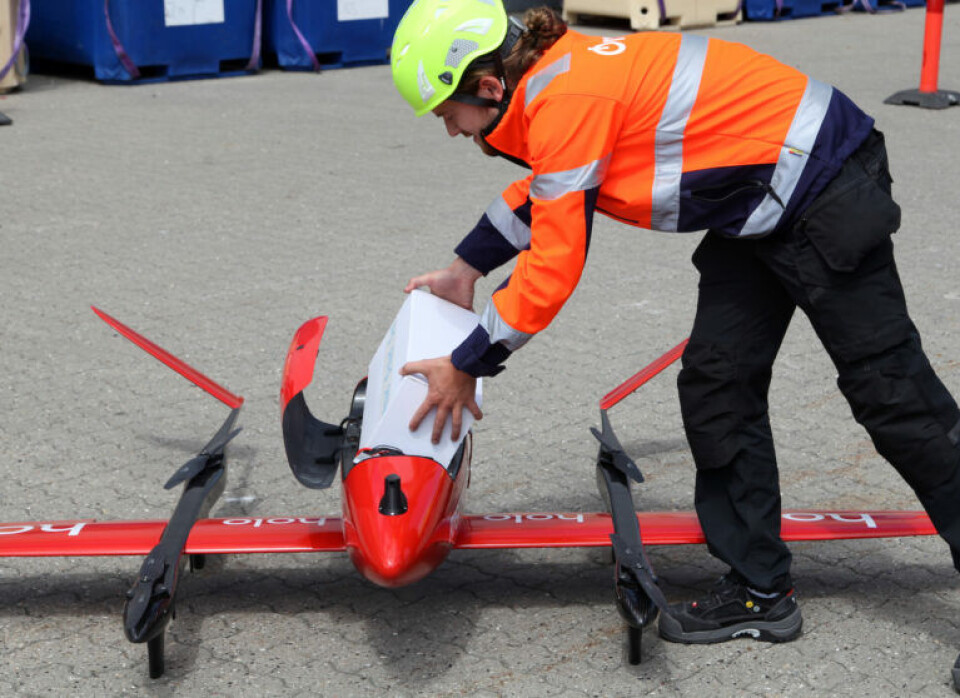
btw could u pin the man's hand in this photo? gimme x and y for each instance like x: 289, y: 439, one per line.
x: 449, y: 390
x: 455, y: 283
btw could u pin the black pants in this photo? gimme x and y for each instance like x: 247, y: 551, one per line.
x: 836, y: 264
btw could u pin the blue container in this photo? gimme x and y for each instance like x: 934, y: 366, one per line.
x: 767, y: 10
x: 152, y: 41
x: 888, y: 5
x: 331, y: 36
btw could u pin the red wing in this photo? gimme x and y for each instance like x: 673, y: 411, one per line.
x: 542, y: 530
x: 275, y: 534
x: 288, y: 534
x: 843, y: 525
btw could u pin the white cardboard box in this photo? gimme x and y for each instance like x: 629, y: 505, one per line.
x: 426, y: 327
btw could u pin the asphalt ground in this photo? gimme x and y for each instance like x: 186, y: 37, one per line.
x: 215, y: 216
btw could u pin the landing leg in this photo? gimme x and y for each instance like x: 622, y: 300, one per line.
x: 155, y: 656
x: 609, y: 555
x: 639, y: 597
x: 634, y: 636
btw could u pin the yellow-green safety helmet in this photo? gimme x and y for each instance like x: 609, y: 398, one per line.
x: 437, y: 40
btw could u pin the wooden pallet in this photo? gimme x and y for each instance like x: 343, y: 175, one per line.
x: 645, y: 15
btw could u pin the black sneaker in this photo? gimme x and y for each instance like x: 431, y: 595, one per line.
x: 732, y: 611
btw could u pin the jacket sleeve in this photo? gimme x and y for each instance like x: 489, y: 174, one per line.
x: 570, y: 141
x: 503, y: 230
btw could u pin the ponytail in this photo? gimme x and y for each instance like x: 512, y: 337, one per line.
x: 544, y: 27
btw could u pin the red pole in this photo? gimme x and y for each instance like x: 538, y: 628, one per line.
x: 932, y: 33
x: 928, y: 96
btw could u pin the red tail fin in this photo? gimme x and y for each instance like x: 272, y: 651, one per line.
x: 222, y: 394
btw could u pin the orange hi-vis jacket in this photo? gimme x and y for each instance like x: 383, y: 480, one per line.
x: 669, y: 132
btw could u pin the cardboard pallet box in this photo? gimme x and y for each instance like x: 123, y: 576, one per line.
x: 17, y: 75
x: 646, y: 15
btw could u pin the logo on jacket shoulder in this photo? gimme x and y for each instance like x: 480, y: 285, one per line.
x: 609, y: 46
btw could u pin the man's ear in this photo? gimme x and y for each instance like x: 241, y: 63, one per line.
x: 490, y: 88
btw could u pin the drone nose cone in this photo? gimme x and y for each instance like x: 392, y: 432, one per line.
x: 397, y: 513
x: 392, y: 563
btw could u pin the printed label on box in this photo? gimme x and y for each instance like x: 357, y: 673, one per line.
x: 348, y: 10
x: 388, y: 363
x: 182, y: 13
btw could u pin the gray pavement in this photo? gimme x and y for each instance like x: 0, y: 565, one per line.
x: 215, y: 216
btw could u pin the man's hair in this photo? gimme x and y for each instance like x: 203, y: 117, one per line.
x: 544, y: 27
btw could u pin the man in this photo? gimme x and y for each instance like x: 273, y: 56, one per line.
x: 682, y: 133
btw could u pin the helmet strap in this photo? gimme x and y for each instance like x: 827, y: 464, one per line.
x: 504, y: 102
x: 473, y: 100
x: 515, y: 30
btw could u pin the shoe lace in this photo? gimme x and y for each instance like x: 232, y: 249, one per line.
x: 724, y: 590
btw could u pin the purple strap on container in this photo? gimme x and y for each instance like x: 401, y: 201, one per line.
x: 254, y: 63
x: 23, y: 21
x: 125, y: 60
x: 894, y: 6
x: 663, y: 11
x: 131, y: 67
x: 844, y: 8
x: 303, y: 41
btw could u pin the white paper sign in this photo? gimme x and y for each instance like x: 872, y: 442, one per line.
x: 348, y: 10
x: 181, y: 13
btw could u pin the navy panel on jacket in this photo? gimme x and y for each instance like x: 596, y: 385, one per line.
x: 845, y: 128
x: 721, y: 198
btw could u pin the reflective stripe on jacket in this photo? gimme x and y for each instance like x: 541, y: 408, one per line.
x: 669, y: 132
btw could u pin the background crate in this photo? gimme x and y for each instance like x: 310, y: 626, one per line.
x: 767, y: 10
x: 75, y: 32
x: 646, y: 14
x: 329, y: 28
x: 17, y: 73
x: 884, y: 5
